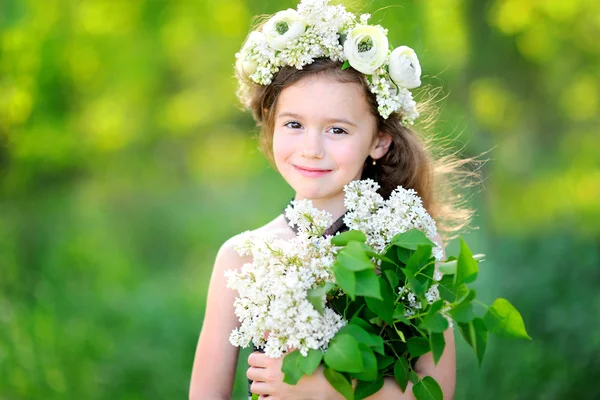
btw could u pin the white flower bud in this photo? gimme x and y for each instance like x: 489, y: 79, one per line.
x: 283, y: 27
x: 366, y: 48
x: 405, y: 69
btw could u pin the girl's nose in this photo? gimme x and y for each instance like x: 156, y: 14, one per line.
x: 312, y: 145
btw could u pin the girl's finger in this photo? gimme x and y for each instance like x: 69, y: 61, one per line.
x: 256, y: 374
x: 260, y: 388
x: 258, y: 359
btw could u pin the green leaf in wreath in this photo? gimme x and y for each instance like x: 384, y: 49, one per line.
x: 290, y: 369
x: 311, y: 362
x: 346, y: 65
x: 384, y: 308
x: 438, y: 343
x: 315, y: 296
x: 503, y: 319
x: 476, y: 335
x: 345, y: 279
x: 401, y: 372
x: 346, y: 237
x: 411, y: 239
x: 428, y: 389
x: 354, y: 258
x: 370, y: 363
x: 255, y: 396
x: 466, y: 268
x: 368, y: 284
x: 463, y: 311
x: 343, y: 354
x: 417, y: 346
x: 339, y: 383
x: 365, y: 389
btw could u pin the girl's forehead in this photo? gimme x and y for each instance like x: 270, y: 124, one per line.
x: 323, y: 94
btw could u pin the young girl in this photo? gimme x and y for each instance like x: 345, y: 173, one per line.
x: 322, y: 127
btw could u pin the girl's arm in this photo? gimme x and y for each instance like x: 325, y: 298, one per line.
x: 216, y: 359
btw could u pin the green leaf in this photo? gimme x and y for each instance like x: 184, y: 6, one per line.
x: 366, y: 389
x: 290, y: 369
x: 345, y: 237
x: 417, y: 346
x: 384, y: 308
x: 362, y: 323
x: 255, y: 396
x: 345, y: 279
x: 463, y: 311
x: 466, y: 268
x: 370, y: 362
x: 384, y: 361
x: 411, y: 239
x: 399, y: 314
x: 343, y: 354
x: 315, y: 296
x: 428, y: 389
x: 362, y: 336
x: 448, y: 268
x: 403, y: 254
x: 354, y: 258
x: 368, y: 284
x: 311, y: 362
x: 438, y: 343
x: 346, y: 65
x: 503, y: 319
x: 476, y: 335
x: 434, y: 323
x: 450, y: 291
x: 392, y: 278
x: 401, y: 372
x: 339, y: 383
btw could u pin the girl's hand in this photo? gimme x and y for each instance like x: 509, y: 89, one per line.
x: 268, y: 381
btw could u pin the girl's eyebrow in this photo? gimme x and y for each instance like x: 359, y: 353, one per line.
x: 342, y: 120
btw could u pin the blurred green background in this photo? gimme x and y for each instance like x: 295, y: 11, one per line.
x: 125, y: 162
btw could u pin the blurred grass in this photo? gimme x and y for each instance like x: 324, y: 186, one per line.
x: 125, y: 162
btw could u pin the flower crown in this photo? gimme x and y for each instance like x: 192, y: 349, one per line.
x: 315, y: 30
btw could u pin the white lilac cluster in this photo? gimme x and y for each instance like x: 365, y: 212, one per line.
x: 315, y: 30
x: 272, y: 289
x: 380, y: 220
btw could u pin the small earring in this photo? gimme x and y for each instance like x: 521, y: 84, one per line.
x: 374, y: 162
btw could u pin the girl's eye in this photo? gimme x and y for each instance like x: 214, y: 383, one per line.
x: 338, y: 131
x: 293, y: 125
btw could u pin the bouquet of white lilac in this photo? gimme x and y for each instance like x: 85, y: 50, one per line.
x: 367, y: 303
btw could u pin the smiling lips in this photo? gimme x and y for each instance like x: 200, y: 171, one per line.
x: 311, y: 172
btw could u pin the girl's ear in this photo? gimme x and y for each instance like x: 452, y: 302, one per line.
x: 381, y: 145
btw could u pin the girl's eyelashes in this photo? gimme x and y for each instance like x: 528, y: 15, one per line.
x: 293, y: 125
x: 338, y: 131
x: 297, y: 125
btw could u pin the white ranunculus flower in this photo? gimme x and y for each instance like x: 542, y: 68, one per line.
x: 243, y: 66
x: 284, y: 27
x: 366, y: 48
x: 405, y: 69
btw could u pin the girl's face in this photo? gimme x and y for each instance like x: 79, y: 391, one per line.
x: 322, y: 136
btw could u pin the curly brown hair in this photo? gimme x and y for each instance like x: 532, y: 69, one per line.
x: 409, y: 162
